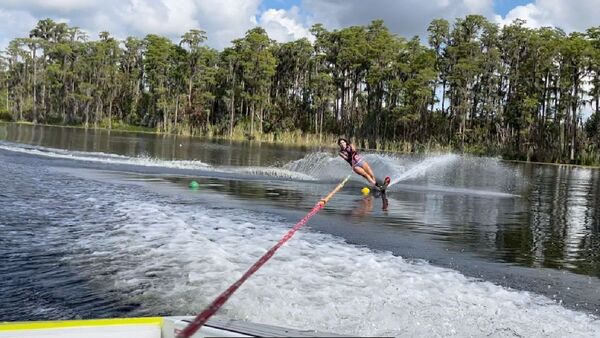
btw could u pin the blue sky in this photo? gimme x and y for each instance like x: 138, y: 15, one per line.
x: 502, y: 7
x: 284, y: 20
x: 280, y: 4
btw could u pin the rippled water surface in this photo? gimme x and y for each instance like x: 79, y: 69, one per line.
x: 98, y: 224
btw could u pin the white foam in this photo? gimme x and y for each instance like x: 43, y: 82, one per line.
x: 461, y: 191
x: 176, y: 258
x: 325, y: 166
x: 320, y: 165
x: 107, y: 158
x: 98, y: 157
x: 314, y: 166
x: 420, y: 169
x: 274, y: 172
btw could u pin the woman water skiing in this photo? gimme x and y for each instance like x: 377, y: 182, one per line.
x: 359, y: 165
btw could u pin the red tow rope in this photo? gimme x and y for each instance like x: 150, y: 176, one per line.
x: 223, y: 297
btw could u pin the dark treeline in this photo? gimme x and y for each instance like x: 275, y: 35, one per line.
x: 511, y: 91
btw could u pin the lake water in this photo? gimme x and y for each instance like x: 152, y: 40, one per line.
x: 103, y: 224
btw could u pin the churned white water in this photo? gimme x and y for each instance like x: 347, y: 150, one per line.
x: 177, y: 258
x: 104, y: 157
x: 313, y: 167
x: 107, y: 158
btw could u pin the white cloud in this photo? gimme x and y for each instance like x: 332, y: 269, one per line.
x: 406, y: 18
x: 570, y: 15
x: 483, y: 7
x: 166, y: 17
x: 223, y: 20
x: 528, y: 13
x: 283, y: 25
x: 49, y: 5
x: 14, y: 24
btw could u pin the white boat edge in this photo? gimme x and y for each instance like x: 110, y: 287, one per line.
x: 148, y: 327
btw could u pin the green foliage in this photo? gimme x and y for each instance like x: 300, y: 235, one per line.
x: 5, y: 116
x: 477, y: 87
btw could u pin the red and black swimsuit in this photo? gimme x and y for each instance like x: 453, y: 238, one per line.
x: 352, y: 157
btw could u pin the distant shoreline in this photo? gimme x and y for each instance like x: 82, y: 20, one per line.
x: 303, y: 140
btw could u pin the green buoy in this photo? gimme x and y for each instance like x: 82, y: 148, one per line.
x: 194, y: 185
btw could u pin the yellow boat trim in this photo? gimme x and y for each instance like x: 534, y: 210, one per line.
x: 57, y: 324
